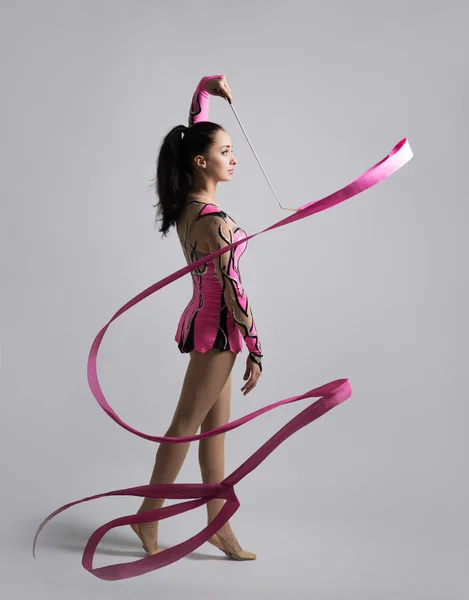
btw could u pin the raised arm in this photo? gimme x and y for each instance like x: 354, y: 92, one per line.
x: 221, y: 234
x: 199, y: 108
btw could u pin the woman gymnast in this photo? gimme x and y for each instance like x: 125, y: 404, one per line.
x: 192, y: 161
x: 210, y: 329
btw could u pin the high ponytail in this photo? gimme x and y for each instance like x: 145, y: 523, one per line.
x: 175, y: 169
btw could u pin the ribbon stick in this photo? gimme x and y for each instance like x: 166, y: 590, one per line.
x: 329, y: 395
x: 259, y: 162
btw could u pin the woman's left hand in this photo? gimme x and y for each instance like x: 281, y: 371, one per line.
x: 218, y: 86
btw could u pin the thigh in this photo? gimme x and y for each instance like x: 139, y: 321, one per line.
x: 219, y: 414
x: 206, y: 377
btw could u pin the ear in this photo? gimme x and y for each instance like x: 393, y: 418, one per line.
x: 200, y: 161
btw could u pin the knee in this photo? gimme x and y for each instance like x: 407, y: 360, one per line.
x: 182, y: 428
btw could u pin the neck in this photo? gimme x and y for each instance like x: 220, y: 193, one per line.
x: 204, y: 191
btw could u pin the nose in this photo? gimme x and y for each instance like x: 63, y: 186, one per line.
x: 233, y: 160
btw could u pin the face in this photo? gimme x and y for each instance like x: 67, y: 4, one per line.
x: 219, y: 163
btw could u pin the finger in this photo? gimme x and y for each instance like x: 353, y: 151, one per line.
x: 226, y: 91
x: 246, y: 385
x: 249, y: 389
x: 249, y: 385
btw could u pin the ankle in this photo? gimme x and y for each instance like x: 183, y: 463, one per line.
x: 225, y: 530
x: 147, y: 507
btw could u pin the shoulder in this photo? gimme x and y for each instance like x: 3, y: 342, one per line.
x: 216, y: 217
x: 218, y: 227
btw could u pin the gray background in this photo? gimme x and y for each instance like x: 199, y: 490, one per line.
x: 366, y: 502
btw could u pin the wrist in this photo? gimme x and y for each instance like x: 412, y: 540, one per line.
x: 256, y: 358
x: 204, y: 80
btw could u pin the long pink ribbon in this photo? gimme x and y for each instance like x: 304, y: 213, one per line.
x: 331, y: 394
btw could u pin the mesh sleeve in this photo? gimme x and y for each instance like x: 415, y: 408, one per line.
x: 221, y: 234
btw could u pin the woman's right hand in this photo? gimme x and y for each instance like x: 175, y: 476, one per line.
x: 253, y: 371
x: 218, y: 86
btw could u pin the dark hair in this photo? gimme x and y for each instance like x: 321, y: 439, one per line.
x: 175, y: 169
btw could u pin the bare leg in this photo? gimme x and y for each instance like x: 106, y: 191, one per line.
x: 205, y: 378
x: 212, y: 468
x: 212, y: 449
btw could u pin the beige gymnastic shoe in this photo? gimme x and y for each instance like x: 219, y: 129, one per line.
x: 230, y: 546
x: 150, y: 548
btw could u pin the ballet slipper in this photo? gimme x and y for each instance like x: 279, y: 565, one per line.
x: 152, y: 548
x: 228, y: 544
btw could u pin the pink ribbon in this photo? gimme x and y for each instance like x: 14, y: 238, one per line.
x: 331, y: 394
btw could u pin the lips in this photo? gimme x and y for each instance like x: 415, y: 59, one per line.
x: 231, y: 171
